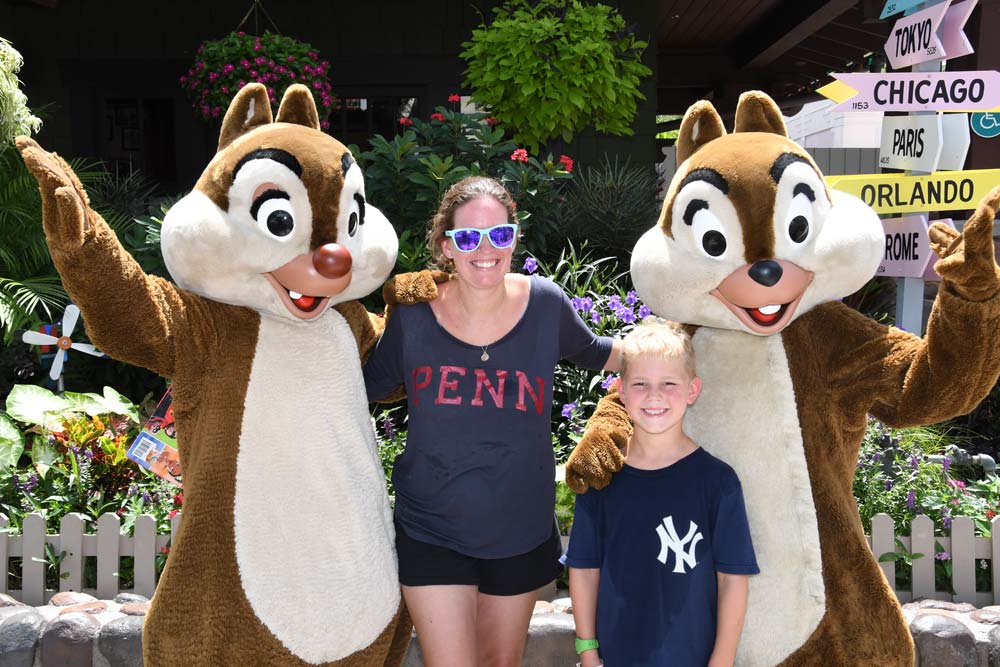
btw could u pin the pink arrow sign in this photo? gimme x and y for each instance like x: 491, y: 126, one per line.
x: 952, y: 36
x: 921, y: 91
x: 914, y: 38
x: 907, y: 248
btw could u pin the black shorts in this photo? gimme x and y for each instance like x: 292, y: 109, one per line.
x: 422, y: 564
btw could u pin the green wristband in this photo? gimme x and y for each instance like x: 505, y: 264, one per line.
x: 585, y: 645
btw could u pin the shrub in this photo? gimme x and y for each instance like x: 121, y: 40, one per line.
x: 15, y: 116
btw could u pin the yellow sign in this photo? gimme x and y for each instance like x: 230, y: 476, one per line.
x: 940, y: 191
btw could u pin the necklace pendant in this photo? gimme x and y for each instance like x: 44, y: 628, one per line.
x: 485, y: 357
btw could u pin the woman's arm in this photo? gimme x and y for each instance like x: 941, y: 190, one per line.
x: 733, y: 590
x: 583, y: 584
x: 614, y: 362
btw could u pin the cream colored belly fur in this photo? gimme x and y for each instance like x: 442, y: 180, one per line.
x: 314, y: 534
x: 746, y: 416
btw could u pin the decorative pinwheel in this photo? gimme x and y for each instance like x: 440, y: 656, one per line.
x: 63, y: 342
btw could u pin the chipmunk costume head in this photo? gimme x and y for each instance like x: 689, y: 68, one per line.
x: 754, y: 251
x: 285, y: 552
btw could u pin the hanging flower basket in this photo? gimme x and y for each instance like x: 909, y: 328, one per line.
x: 223, y: 66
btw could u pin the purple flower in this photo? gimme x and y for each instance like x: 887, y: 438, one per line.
x: 146, y: 497
x: 586, y: 304
x: 608, y: 381
x: 389, y: 428
x: 576, y: 303
x: 530, y: 264
x: 888, y: 485
x: 876, y: 457
x: 595, y: 317
x: 615, y: 302
x: 644, y: 312
x: 911, y: 499
x: 626, y: 315
x: 946, y: 464
x: 942, y: 555
x: 946, y: 520
x: 630, y: 298
x: 914, y: 461
x: 568, y: 409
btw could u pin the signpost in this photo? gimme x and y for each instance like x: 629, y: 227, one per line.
x: 986, y: 125
x: 953, y: 38
x: 955, y: 141
x: 907, y: 247
x: 915, y: 91
x: 896, y: 6
x: 914, y: 38
x: 911, y: 142
x: 898, y: 193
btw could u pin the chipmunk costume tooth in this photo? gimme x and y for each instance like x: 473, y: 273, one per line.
x: 752, y: 252
x: 285, y: 553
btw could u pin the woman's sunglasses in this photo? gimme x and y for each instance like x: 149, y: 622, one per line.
x: 468, y: 239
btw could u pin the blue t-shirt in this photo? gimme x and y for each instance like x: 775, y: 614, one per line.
x: 659, y: 537
x: 477, y: 475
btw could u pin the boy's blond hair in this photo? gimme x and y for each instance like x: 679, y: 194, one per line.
x: 657, y: 337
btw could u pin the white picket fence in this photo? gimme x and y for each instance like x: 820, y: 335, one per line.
x: 108, y: 546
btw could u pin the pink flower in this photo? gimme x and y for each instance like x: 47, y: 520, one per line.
x: 253, y: 74
x: 241, y: 83
x: 228, y: 68
x: 405, y: 122
x: 241, y: 34
x: 291, y: 75
x: 312, y: 54
x: 437, y: 116
x: 172, y: 513
x: 325, y: 124
x: 245, y: 63
x: 212, y: 76
x: 225, y: 90
x: 567, y: 163
x: 271, y: 92
x: 454, y: 98
x: 317, y: 85
x: 260, y: 60
x: 520, y: 155
x: 183, y: 80
x: 290, y: 59
x: 164, y: 550
x: 256, y: 46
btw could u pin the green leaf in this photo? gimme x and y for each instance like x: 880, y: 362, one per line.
x: 89, y: 403
x: 43, y: 456
x: 36, y: 405
x: 11, y: 442
x: 117, y: 404
x: 889, y: 556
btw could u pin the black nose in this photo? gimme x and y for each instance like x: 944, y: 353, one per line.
x: 766, y: 272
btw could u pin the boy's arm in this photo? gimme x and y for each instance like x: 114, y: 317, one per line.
x: 583, y: 584
x: 731, y: 612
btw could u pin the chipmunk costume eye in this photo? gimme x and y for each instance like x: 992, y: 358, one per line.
x: 800, y: 213
x: 800, y: 204
x: 707, y: 228
x: 357, y: 215
x: 704, y: 208
x: 272, y: 210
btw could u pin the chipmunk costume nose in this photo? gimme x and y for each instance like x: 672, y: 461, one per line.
x: 332, y: 260
x: 766, y: 272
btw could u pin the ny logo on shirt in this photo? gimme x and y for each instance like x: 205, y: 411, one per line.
x: 683, y: 549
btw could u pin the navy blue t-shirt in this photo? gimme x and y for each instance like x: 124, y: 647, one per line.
x: 477, y: 475
x: 659, y: 537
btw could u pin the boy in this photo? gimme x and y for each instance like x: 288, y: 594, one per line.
x: 659, y: 559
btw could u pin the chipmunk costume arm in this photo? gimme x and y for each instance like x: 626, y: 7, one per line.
x: 909, y: 380
x: 600, y: 452
x: 129, y: 315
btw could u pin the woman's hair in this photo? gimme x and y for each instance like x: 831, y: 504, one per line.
x: 467, y: 189
x: 657, y: 337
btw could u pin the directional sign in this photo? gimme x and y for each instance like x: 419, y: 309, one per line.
x: 911, y: 142
x: 897, y: 6
x: 915, y: 91
x: 953, y: 39
x: 986, y: 125
x: 929, y: 272
x: 914, y: 38
x: 897, y: 193
x: 955, y: 141
x: 907, y: 247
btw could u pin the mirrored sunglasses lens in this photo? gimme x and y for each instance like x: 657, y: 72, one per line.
x: 466, y: 240
x: 502, y: 237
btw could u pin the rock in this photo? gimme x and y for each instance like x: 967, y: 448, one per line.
x: 550, y: 640
x: 542, y: 607
x: 942, y: 641
x: 68, y: 641
x: 986, y: 616
x: 121, y: 641
x: 8, y: 601
x: 563, y: 605
x: 122, y: 598
x: 957, y: 607
x: 18, y: 636
x: 135, y: 608
x: 66, y: 598
x: 994, y: 650
x: 95, y: 607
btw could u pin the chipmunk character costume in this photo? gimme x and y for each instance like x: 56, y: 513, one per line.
x: 285, y: 554
x: 752, y: 251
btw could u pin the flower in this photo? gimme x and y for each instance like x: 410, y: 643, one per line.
x: 530, y: 264
x: 911, y: 499
x: 946, y: 464
x: 631, y: 299
x: 519, y: 155
x: 437, y: 116
x: 595, y: 317
x: 179, y: 499
x: 956, y: 484
x: 568, y: 409
x: 626, y: 315
x: 615, y: 302
x: 567, y: 163
x: 454, y: 97
x: 644, y: 312
x: 608, y: 381
x: 164, y: 550
x: 405, y: 122
x: 942, y: 555
x: 888, y: 485
x: 990, y: 514
x: 172, y: 513
x: 491, y: 121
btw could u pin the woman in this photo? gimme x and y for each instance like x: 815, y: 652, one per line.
x: 474, y: 487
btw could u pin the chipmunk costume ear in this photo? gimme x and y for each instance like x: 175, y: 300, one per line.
x: 248, y: 110
x: 756, y: 112
x: 298, y: 106
x: 701, y: 124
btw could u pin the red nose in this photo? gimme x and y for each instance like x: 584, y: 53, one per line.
x: 332, y: 260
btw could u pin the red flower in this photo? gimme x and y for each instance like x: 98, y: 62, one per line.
x: 567, y: 163
x: 405, y: 122
x: 437, y: 116
x: 179, y: 499
x: 990, y: 514
x: 491, y: 121
x: 520, y: 155
x: 172, y: 513
x: 454, y: 98
x: 164, y: 550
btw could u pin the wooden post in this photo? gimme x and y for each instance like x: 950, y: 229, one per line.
x: 32, y: 560
x: 144, y: 550
x: 71, y: 542
x: 922, y: 542
x: 884, y: 541
x: 108, y: 555
x: 963, y: 559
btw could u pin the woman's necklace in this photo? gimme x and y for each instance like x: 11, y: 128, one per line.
x: 486, y: 355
